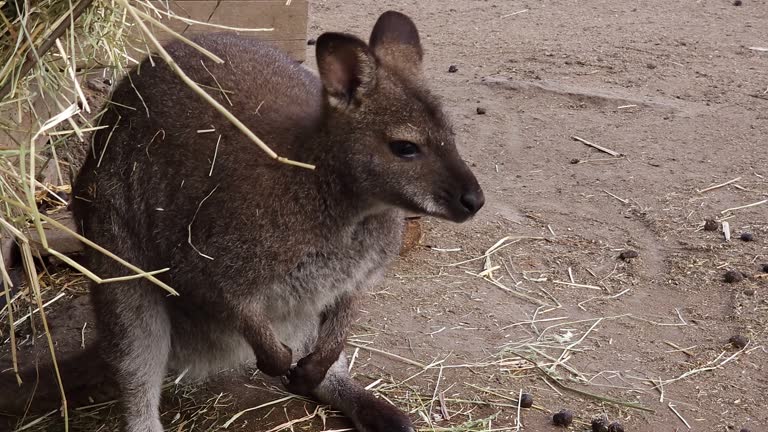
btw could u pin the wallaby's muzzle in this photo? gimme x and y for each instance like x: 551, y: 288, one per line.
x: 466, y: 205
x: 468, y: 197
x: 472, y: 201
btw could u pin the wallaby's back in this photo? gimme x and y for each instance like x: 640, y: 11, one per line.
x: 169, y: 128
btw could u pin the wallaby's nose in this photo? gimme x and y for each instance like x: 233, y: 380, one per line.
x: 473, y: 201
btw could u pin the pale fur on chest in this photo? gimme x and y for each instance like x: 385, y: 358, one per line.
x: 356, y: 259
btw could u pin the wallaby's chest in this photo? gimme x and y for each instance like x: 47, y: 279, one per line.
x: 355, y: 259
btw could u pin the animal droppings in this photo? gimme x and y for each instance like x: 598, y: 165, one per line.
x: 563, y: 419
x: 738, y: 3
x: 311, y: 41
x: 600, y: 425
x: 615, y: 427
x: 628, y: 255
x: 747, y: 237
x: 480, y: 110
x: 453, y: 69
x: 733, y: 276
x: 710, y: 225
x: 738, y: 341
x: 526, y: 400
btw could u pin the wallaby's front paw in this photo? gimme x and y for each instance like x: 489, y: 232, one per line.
x: 305, y: 377
x: 275, y: 363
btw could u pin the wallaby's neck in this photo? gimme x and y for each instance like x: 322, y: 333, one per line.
x: 337, y: 193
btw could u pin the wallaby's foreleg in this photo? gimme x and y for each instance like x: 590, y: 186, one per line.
x: 368, y: 413
x: 310, y: 370
x: 272, y: 356
x: 135, y: 338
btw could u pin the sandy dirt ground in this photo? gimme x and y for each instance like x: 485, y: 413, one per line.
x: 676, y: 89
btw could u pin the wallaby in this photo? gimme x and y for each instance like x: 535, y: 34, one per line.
x: 269, y: 259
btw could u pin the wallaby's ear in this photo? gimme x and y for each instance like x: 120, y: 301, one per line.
x: 395, y: 41
x: 347, y: 67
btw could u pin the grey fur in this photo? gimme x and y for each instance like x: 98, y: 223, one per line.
x: 292, y: 248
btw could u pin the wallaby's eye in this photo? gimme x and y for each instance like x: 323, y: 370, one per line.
x: 404, y: 149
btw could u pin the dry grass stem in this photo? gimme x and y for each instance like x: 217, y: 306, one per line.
x: 26, y: 255
x: 514, y: 13
x: 595, y: 146
x: 178, y: 36
x: 679, y: 349
x: 388, y: 354
x: 7, y: 284
x: 754, y: 204
x: 100, y: 249
x: 715, y: 364
x: 592, y: 287
x: 189, y: 227
x: 46, y: 304
x: 616, y: 197
x: 264, y: 405
x: 617, y: 295
x: 672, y: 407
x: 718, y: 186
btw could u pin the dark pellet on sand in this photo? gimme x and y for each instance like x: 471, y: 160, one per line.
x: 563, y: 419
x: 574, y: 161
x: 628, y: 255
x: 733, y: 276
x: 710, y: 225
x: 615, y: 427
x: 599, y: 425
x: 765, y: 268
x: 737, y: 3
x: 453, y: 69
x: 526, y: 400
x: 480, y: 110
x: 738, y: 341
x: 311, y: 41
x: 747, y: 237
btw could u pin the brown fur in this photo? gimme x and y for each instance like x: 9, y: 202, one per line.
x: 290, y: 249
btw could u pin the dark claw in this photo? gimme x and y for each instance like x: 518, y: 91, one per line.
x: 278, y: 364
x: 304, y: 378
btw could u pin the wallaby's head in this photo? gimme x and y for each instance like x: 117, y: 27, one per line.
x: 391, y: 136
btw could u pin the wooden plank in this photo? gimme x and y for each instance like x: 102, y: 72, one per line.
x: 296, y: 49
x: 285, y: 20
x: 288, y: 21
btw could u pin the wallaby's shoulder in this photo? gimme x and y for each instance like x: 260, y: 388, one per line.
x: 236, y: 51
x: 249, y: 66
x: 279, y: 99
